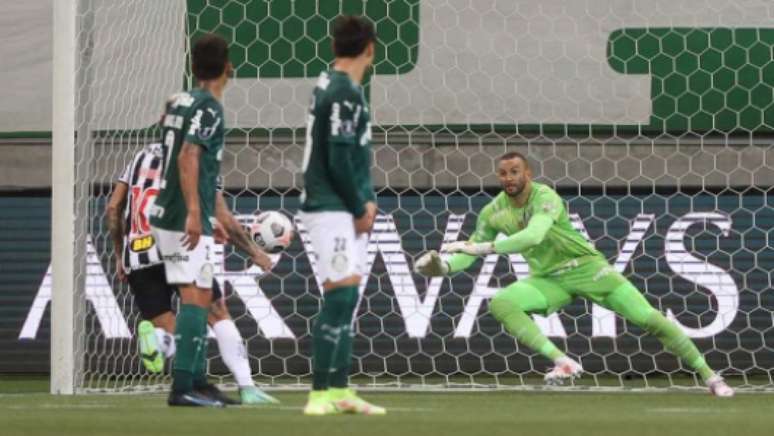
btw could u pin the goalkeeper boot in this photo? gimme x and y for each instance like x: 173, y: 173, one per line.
x: 192, y: 399
x: 151, y: 356
x: 253, y: 396
x: 211, y: 391
x: 718, y: 387
x: 347, y: 401
x: 565, y: 369
x: 319, y: 404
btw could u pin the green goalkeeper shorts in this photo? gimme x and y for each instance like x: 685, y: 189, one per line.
x: 594, y: 280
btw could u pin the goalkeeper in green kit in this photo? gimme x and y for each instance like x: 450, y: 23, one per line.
x: 563, y: 265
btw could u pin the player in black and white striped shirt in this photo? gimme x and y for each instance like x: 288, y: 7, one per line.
x: 139, y: 262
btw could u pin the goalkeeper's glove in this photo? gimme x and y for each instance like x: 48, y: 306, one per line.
x: 471, y: 248
x: 431, y: 264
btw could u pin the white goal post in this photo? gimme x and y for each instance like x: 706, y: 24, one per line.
x: 654, y: 120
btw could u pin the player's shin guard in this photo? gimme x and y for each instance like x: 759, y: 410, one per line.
x: 328, y: 332
x: 519, y: 324
x: 677, y: 342
x: 232, y: 351
x: 190, y: 321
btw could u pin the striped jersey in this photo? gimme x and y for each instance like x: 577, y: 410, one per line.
x: 142, y: 177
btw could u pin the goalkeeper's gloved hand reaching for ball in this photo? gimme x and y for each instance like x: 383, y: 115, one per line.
x: 430, y: 264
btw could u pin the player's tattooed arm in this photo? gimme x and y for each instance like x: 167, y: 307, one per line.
x: 115, y: 209
x: 237, y: 234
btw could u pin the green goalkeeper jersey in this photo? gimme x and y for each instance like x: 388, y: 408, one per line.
x: 337, y: 154
x: 195, y: 117
x: 561, y: 245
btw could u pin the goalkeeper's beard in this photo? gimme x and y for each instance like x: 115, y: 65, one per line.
x: 518, y: 189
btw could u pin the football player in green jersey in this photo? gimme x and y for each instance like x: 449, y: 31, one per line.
x: 183, y: 217
x: 338, y: 207
x: 563, y: 265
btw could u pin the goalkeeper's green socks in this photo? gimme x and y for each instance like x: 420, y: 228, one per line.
x: 677, y: 342
x: 506, y: 309
x: 331, y: 339
x: 627, y: 301
x: 191, y: 338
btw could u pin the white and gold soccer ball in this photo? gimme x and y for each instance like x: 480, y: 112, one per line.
x: 272, y: 231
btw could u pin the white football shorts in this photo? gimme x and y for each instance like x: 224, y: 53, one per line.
x: 185, y: 267
x: 338, y: 252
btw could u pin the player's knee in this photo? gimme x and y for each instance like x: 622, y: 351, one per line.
x: 218, y: 312
x: 503, y: 304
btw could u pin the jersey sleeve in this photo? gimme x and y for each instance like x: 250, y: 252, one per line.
x: 206, y: 119
x: 547, y: 203
x: 126, y: 174
x: 483, y: 233
x: 546, y: 208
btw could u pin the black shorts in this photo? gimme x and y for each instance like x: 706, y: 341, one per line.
x: 153, y: 295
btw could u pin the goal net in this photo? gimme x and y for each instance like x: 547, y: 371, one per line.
x: 653, y: 119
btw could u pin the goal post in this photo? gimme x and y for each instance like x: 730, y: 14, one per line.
x: 654, y: 122
x: 63, y: 256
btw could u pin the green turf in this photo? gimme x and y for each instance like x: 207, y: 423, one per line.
x: 426, y: 414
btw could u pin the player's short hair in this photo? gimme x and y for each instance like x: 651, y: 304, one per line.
x: 209, y: 56
x: 515, y: 155
x: 351, y: 35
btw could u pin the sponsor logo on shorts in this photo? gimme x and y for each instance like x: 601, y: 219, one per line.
x: 176, y: 257
x: 340, y: 262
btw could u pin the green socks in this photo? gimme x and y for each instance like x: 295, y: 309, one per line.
x: 332, y: 339
x: 190, y: 359
x: 678, y: 343
x: 628, y: 302
x: 519, y: 324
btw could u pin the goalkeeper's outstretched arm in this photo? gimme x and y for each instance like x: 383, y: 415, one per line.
x: 431, y: 264
x: 519, y: 242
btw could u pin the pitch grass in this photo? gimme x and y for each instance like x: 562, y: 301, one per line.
x: 25, y: 409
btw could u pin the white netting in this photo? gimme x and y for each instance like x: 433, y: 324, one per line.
x: 653, y: 119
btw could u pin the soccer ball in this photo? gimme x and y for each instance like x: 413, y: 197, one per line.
x: 272, y: 231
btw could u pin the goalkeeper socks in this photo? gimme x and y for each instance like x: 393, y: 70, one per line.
x: 190, y: 322
x: 330, y: 326
x: 519, y: 324
x: 677, y: 342
x: 233, y: 352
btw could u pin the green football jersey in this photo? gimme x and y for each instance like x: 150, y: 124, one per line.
x: 338, y: 128
x: 561, y: 245
x: 195, y: 117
